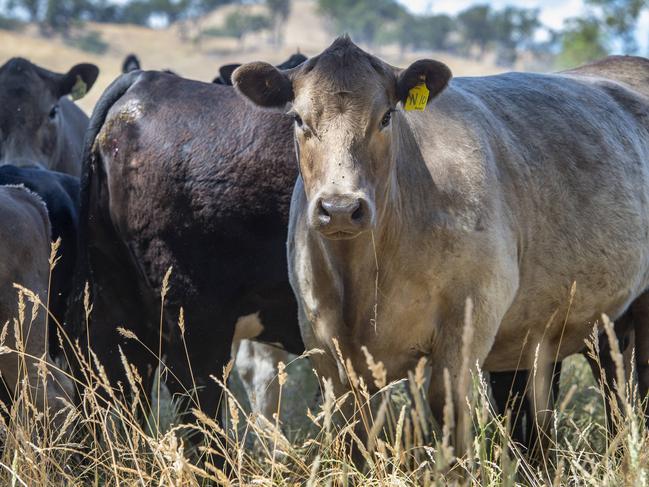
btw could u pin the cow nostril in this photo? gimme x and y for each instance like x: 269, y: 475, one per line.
x: 357, y: 215
x: 322, y: 211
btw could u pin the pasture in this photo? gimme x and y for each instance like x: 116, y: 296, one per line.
x: 138, y: 432
x: 119, y: 443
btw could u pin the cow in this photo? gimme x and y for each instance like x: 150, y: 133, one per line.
x: 186, y: 176
x: 25, y: 242
x: 225, y: 71
x: 131, y: 63
x: 60, y: 193
x: 256, y: 362
x: 488, y: 203
x: 38, y: 123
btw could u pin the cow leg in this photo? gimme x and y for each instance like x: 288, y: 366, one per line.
x: 448, y: 357
x: 605, y: 371
x: 640, y: 310
x: 192, y: 385
x: 257, y: 367
x: 541, y: 397
x: 509, y: 390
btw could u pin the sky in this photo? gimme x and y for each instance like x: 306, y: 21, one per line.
x: 552, y: 12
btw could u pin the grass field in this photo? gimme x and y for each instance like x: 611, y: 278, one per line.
x: 130, y: 437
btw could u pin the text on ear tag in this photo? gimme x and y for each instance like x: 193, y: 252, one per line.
x: 417, y: 97
x: 79, y: 89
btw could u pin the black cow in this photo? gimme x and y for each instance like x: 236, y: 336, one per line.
x: 225, y: 71
x: 37, y: 120
x: 131, y: 63
x: 60, y: 192
x: 184, y: 174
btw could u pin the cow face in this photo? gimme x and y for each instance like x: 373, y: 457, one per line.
x: 31, y: 124
x: 344, y: 103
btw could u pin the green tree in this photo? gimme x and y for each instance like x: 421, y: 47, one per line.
x: 513, y: 30
x: 365, y: 20
x: 582, y: 41
x: 423, y: 31
x: 477, y: 28
x: 621, y: 19
x: 279, y: 12
x: 60, y: 15
x: 32, y: 7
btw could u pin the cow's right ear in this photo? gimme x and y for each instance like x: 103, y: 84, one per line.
x: 78, y: 81
x: 263, y: 84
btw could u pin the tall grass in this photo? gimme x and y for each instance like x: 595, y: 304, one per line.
x: 117, y: 435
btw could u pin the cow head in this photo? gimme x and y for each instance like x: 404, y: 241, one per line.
x: 30, y: 113
x: 344, y: 103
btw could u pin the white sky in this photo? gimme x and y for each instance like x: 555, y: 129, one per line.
x: 552, y: 12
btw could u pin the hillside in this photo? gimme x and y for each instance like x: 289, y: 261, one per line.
x: 164, y: 49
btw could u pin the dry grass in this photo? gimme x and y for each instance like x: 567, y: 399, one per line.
x: 118, y: 436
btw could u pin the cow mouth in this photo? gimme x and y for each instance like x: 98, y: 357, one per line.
x: 340, y: 235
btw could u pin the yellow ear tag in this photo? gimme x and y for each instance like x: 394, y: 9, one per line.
x: 417, y: 97
x: 79, y: 89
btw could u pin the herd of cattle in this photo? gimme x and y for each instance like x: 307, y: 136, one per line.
x: 522, y: 198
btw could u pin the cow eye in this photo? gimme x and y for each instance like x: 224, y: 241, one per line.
x: 54, y: 111
x: 298, y: 120
x: 385, y: 121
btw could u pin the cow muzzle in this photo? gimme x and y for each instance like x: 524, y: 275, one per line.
x: 341, y: 217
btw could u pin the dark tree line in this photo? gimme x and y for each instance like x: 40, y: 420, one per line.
x: 605, y: 26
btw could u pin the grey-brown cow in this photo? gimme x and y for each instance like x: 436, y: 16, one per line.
x: 506, y: 190
x: 24, y: 249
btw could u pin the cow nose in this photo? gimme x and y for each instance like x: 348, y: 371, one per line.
x: 342, y: 215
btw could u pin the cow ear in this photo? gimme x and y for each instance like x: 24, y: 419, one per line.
x: 78, y: 81
x: 225, y: 74
x: 433, y: 74
x: 263, y: 84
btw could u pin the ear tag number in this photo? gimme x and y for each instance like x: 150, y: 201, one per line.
x: 79, y: 89
x: 417, y: 97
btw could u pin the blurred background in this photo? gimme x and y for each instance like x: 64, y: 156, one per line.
x: 194, y: 37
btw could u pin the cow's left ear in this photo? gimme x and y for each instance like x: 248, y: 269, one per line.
x: 225, y: 74
x: 433, y: 74
x: 263, y: 84
x: 78, y: 81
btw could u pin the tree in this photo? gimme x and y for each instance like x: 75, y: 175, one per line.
x: 513, y: 30
x: 61, y: 14
x: 279, y: 12
x: 476, y: 27
x: 582, y: 41
x: 32, y: 7
x: 364, y: 20
x: 423, y: 31
x: 621, y: 19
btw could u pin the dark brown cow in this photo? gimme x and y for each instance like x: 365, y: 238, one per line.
x: 187, y: 175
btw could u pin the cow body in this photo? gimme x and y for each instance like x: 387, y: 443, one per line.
x: 25, y: 237
x: 485, y: 211
x: 60, y: 193
x: 505, y: 190
x: 185, y: 175
x: 38, y: 123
